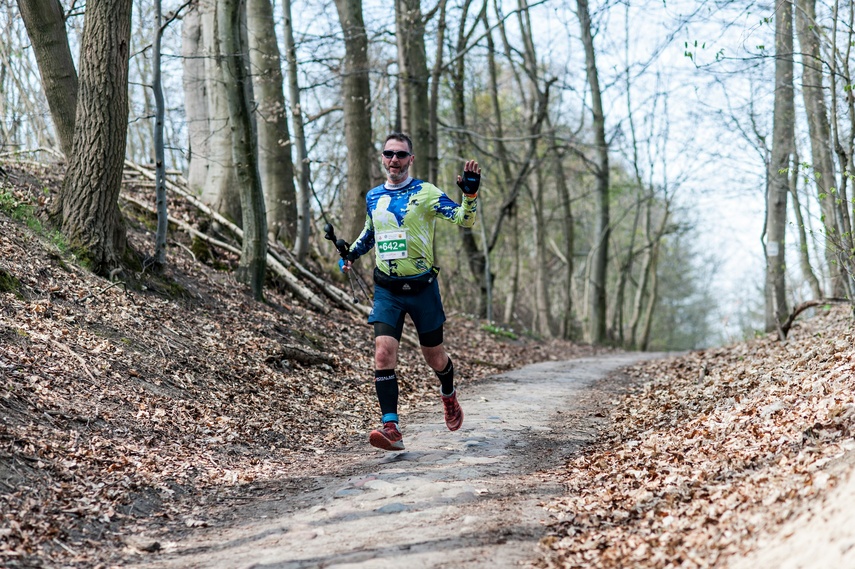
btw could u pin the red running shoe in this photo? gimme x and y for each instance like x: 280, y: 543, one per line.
x: 453, y: 412
x: 388, y: 437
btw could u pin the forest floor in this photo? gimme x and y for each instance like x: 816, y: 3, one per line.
x: 137, y: 414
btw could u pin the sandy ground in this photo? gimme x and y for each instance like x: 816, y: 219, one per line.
x: 464, y: 499
x: 820, y: 537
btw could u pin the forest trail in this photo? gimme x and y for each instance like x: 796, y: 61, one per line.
x: 464, y: 499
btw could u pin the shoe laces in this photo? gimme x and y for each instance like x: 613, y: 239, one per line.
x: 450, y: 403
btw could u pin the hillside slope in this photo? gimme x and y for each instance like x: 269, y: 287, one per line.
x: 718, y: 449
x: 129, y: 402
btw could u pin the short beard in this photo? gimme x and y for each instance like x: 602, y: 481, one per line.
x: 400, y: 177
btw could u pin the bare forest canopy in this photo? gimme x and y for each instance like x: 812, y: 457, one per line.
x: 644, y: 163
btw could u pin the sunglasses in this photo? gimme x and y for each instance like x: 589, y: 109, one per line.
x: 399, y: 154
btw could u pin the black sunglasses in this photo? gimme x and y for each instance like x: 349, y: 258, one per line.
x: 400, y: 154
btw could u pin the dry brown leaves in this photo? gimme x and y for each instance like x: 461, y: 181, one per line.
x: 716, y: 448
x: 123, y: 406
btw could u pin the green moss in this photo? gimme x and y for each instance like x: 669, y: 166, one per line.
x: 499, y: 331
x: 201, y: 250
x: 10, y: 283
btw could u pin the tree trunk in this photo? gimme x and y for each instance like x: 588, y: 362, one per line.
x: 433, y: 122
x: 356, y: 98
x: 193, y: 54
x: 568, y: 227
x: 221, y: 188
x: 475, y: 257
x: 778, y: 185
x: 274, y: 140
x: 804, y: 257
x: 159, y: 154
x: 543, y: 325
x: 45, y: 23
x: 413, y: 79
x: 234, y: 45
x: 87, y: 210
x: 647, y: 325
x: 597, y: 290
x: 304, y: 212
x: 825, y: 174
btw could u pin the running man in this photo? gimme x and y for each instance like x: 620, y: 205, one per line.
x: 400, y: 224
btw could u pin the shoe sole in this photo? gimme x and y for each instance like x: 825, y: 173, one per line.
x: 376, y: 439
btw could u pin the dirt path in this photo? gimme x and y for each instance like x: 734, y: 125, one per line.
x: 464, y: 499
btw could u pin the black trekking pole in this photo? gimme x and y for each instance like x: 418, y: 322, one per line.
x: 344, y: 250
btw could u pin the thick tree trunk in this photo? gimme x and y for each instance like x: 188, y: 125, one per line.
x: 87, y: 210
x: 274, y: 140
x: 304, y: 213
x: 825, y: 174
x: 234, y: 45
x: 778, y: 180
x: 220, y: 190
x: 45, y: 23
x: 356, y: 98
x: 413, y: 79
x: 195, y: 98
x: 597, y: 289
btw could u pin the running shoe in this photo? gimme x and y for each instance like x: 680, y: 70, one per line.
x: 387, y: 437
x: 453, y: 412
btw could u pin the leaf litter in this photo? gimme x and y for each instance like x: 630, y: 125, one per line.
x: 716, y: 450
x: 132, y: 407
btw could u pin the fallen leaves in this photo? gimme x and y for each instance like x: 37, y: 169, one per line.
x: 715, y: 449
x: 125, y: 408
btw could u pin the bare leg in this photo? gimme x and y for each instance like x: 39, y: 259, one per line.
x: 435, y: 357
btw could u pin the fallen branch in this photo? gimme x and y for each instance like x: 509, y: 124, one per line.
x: 290, y: 280
x: 798, y: 309
x: 300, y: 355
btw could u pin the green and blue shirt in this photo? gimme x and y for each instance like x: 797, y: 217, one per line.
x: 400, y: 223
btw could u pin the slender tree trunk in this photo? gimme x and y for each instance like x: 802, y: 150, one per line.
x: 356, y: 96
x: 304, y: 213
x: 511, y: 301
x: 159, y: 155
x: 597, y: 291
x: 568, y: 228
x: 87, y: 210
x: 475, y: 257
x: 274, y: 140
x: 641, y: 289
x: 45, y: 23
x: 234, y: 43
x: 541, y: 277
x: 782, y: 150
x: 825, y: 175
x: 195, y: 98
x: 433, y: 122
x: 804, y: 257
x: 652, y: 299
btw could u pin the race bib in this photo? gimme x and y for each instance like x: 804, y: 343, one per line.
x: 392, y: 244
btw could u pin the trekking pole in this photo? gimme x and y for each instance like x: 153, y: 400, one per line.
x: 344, y: 250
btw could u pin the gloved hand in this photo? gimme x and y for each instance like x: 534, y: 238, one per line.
x: 342, y: 266
x: 469, y: 182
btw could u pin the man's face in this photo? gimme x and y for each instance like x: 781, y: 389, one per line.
x: 397, y: 169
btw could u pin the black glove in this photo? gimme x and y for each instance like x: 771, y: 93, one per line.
x: 470, y: 183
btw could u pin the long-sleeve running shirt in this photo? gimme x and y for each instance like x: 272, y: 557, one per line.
x: 400, y: 223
